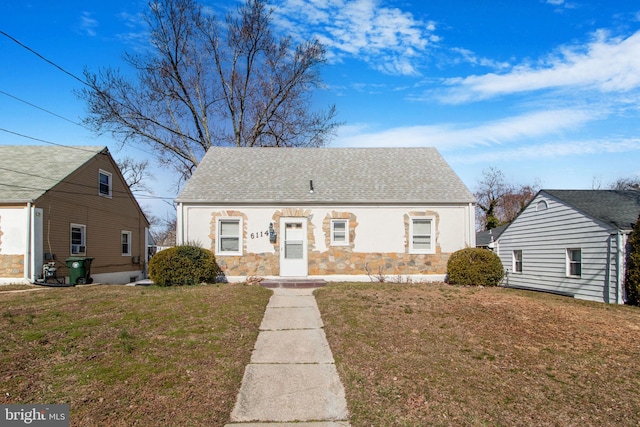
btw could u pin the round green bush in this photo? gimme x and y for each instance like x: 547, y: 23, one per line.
x: 183, y: 265
x: 475, y: 266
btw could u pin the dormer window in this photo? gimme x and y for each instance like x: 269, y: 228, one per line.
x: 104, y: 183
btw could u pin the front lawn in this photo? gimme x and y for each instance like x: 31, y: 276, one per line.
x: 435, y: 354
x: 124, y: 356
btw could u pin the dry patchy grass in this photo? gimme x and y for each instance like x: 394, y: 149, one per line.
x: 415, y: 355
x: 124, y: 356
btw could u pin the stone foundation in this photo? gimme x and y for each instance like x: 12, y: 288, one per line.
x: 338, y: 262
x: 12, y: 266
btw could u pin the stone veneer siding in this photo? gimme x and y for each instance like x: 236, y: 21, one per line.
x: 336, y: 260
x: 12, y: 266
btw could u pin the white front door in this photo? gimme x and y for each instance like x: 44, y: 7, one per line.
x: 293, y: 247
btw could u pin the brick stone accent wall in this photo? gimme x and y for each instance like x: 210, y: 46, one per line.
x: 336, y: 260
x: 11, y: 266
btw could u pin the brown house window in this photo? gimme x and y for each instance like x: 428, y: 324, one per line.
x: 78, y: 239
x: 126, y: 243
x: 104, y: 183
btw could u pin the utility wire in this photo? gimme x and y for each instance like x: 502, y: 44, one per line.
x: 84, y: 82
x: 45, y: 141
x: 44, y: 59
x: 40, y: 108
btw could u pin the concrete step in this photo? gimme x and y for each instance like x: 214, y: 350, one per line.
x: 302, y: 282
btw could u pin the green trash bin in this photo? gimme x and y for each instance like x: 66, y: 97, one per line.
x: 79, y: 270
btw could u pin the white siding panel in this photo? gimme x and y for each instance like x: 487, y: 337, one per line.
x: 544, y: 236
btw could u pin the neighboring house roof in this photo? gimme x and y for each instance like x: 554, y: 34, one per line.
x: 485, y: 238
x: 28, y: 171
x: 337, y: 175
x: 617, y: 208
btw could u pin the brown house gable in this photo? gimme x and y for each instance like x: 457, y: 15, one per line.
x: 76, y: 200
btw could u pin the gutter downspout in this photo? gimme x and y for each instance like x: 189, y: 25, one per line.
x: 471, y: 227
x: 179, y: 225
x: 28, y: 256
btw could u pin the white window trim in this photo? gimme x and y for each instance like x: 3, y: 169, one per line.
x: 83, y: 244
x: 219, y: 221
x: 568, y: 262
x: 129, y: 234
x: 110, y: 175
x: 515, y: 263
x: 432, y: 248
x: 346, y: 232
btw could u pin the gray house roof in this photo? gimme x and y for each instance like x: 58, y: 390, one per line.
x: 616, y: 208
x: 28, y: 171
x: 336, y: 175
x: 486, y: 237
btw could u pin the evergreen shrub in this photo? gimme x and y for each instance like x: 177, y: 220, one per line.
x: 183, y: 265
x: 632, y: 274
x: 475, y: 266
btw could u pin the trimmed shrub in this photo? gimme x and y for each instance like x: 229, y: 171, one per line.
x: 632, y: 274
x: 183, y: 265
x: 475, y: 266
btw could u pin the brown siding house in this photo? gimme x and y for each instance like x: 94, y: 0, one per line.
x: 60, y: 202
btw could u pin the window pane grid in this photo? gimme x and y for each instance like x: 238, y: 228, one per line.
x: 229, y: 236
x: 421, y: 235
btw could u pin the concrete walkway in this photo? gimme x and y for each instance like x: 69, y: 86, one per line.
x: 291, y: 378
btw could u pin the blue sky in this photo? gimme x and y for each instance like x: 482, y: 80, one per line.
x: 547, y: 91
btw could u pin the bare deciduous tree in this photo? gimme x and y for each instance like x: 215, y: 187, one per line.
x: 135, y: 173
x: 209, y: 82
x: 626, y: 184
x: 499, y: 201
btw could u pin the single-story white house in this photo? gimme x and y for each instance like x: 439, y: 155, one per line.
x: 330, y: 213
x: 571, y: 242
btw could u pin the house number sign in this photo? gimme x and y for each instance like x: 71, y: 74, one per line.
x: 259, y: 234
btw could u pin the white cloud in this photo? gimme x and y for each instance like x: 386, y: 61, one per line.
x: 552, y: 150
x: 88, y: 24
x: 390, y: 39
x: 452, y: 136
x: 606, y: 64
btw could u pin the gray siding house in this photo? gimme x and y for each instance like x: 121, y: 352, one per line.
x: 571, y: 242
x: 329, y: 213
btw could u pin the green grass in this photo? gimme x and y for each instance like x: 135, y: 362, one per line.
x: 124, y: 356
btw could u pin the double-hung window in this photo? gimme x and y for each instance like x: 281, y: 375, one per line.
x: 517, y: 261
x: 104, y: 183
x: 229, y: 236
x: 339, y: 232
x: 78, y: 239
x: 421, y: 239
x: 574, y: 262
x: 126, y: 243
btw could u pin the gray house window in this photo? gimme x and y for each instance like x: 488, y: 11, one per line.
x: 517, y: 261
x: 229, y: 238
x: 339, y: 232
x: 421, y: 236
x: 574, y: 262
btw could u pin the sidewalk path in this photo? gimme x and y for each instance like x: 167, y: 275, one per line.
x: 291, y: 378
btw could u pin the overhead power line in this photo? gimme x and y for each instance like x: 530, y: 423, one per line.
x: 40, y: 108
x: 44, y: 59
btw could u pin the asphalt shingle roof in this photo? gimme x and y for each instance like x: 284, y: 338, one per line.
x: 28, y: 171
x: 614, y: 207
x: 339, y: 175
